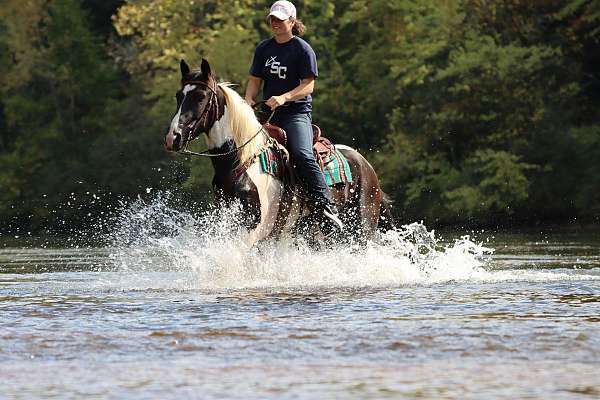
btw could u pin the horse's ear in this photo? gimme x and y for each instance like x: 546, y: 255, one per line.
x: 205, y: 68
x: 185, y: 69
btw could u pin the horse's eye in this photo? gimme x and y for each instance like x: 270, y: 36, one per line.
x: 200, y: 95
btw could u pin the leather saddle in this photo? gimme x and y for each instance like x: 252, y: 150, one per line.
x: 321, y: 145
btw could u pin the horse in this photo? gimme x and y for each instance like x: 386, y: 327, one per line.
x: 235, y: 137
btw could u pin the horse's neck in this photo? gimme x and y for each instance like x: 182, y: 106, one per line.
x: 220, y: 133
x: 221, y: 140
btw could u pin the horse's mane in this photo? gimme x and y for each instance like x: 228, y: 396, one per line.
x: 243, y: 123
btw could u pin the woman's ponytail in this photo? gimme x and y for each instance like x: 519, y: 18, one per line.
x: 298, y: 29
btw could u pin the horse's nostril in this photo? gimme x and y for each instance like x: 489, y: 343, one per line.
x: 169, y: 141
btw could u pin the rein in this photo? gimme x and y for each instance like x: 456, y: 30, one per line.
x: 206, y: 153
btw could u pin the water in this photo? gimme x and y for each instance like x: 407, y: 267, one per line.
x: 174, y: 307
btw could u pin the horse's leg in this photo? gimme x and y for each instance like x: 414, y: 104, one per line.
x: 366, y: 203
x: 386, y: 218
x: 269, y: 194
x: 369, y: 209
x: 366, y: 199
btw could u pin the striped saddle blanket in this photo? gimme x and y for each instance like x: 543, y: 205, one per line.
x: 333, y: 163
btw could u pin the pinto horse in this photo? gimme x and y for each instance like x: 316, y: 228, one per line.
x: 235, y: 137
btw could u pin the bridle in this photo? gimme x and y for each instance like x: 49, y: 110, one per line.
x: 213, y: 108
x: 209, y: 115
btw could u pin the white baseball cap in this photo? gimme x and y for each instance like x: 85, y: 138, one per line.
x: 282, y: 10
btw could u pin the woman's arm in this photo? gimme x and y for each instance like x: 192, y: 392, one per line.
x: 252, y: 89
x: 306, y: 87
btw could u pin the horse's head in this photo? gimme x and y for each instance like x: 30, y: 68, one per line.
x: 197, y: 106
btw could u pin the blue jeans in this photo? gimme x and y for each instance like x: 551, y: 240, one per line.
x: 300, y: 146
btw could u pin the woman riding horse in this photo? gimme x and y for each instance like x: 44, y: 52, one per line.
x: 236, y: 139
x: 287, y: 66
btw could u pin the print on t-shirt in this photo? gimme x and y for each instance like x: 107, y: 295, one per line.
x: 276, y: 67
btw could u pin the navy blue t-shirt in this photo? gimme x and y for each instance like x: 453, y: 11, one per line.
x: 282, y: 66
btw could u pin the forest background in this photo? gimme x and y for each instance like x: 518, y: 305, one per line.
x: 473, y: 112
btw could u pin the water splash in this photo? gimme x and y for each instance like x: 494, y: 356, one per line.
x: 208, y: 249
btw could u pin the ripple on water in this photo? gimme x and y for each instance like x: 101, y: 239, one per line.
x: 191, y: 311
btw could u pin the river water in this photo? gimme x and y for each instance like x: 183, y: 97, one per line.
x: 182, y: 310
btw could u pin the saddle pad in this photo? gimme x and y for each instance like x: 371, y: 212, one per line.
x: 272, y: 162
x: 334, y: 165
x: 335, y: 168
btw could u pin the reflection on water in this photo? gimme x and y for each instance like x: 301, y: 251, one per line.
x: 38, y: 260
x: 193, y: 315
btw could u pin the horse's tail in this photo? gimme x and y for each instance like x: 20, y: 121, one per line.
x: 386, y: 219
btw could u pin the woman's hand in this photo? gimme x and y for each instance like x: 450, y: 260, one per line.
x: 276, y: 101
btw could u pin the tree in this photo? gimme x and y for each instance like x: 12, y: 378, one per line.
x: 63, y: 104
x: 476, y: 106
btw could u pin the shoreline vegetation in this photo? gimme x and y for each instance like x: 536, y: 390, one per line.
x: 445, y: 234
x: 475, y: 114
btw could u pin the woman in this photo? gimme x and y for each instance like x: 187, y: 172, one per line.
x: 287, y: 66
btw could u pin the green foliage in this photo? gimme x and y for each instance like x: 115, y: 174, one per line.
x: 587, y: 158
x: 495, y: 182
x: 156, y: 35
x: 66, y: 119
x: 587, y: 13
x: 471, y: 110
x: 486, y: 92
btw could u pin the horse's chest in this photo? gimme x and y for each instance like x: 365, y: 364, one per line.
x: 240, y: 188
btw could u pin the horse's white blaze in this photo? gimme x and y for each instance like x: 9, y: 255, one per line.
x: 220, y: 133
x: 269, y: 194
x: 188, y: 88
x: 174, y: 128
